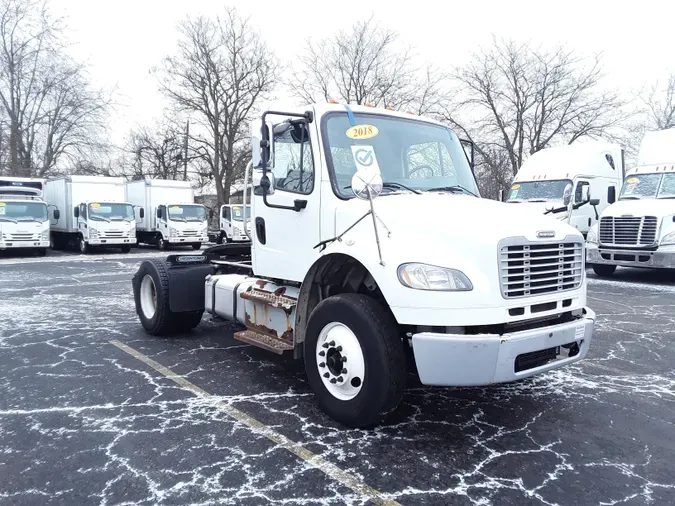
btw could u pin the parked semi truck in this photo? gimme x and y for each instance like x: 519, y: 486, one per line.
x: 90, y: 211
x: 235, y: 223
x: 171, y: 217
x: 485, y: 293
x: 24, y: 220
x: 639, y: 229
x: 559, y: 177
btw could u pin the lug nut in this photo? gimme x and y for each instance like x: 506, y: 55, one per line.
x: 339, y: 348
x: 325, y: 345
x: 326, y: 375
x: 344, y: 371
x: 333, y: 380
x: 322, y: 364
x: 340, y: 379
x: 322, y: 353
x: 344, y: 359
x: 332, y: 343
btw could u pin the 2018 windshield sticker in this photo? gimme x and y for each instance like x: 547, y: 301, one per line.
x: 364, y: 158
x: 515, y: 187
x: 362, y: 132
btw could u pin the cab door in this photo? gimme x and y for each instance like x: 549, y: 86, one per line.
x: 283, y: 237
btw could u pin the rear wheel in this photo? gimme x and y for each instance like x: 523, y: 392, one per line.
x: 604, y: 270
x: 354, y: 359
x: 152, y: 302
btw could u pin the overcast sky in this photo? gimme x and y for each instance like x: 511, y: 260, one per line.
x: 123, y: 39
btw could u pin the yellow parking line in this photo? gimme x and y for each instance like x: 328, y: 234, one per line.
x: 332, y: 471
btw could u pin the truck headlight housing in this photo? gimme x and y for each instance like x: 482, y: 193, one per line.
x: 173, y: 232
x: 93, y: 232
x: 236, y: 231
x: 592, y: 235
x: 45, y: 235
x: 431, y: 277
x: 668, y: 239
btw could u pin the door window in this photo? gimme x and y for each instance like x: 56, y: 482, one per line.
x: 293, y: 166
x: 578, y: 193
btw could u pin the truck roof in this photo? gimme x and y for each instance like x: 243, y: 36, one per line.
x: 164, y: 183
x: 657, y: 148
x: 566, y: 162
x: 651, y: 169
x: 88, y: 179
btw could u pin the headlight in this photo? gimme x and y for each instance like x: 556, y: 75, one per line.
x: 236, y: 231
x: 93, y: 232
x: 668, y: 239
x: 592, y: 235
x: 45, y: 235
x: 172, y: 232
x: 431, y: 277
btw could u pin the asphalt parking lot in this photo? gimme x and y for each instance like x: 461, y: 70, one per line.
x: 94, y: 411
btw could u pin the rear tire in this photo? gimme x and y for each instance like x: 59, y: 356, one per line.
x: 151, y: 296
x: 367, y: 334
x: 604, y: 270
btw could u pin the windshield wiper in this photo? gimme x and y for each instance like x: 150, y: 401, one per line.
x: 99, y: 218
x: 455, y: 188
x: 9, y: 219
x: 391, y: 184
x: 27, y: 218
x: 629, y: 197
x: 668, y: 197
x: 178, y: 218
x: 536, y: 200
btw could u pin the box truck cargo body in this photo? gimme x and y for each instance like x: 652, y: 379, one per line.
x: 171, y: 215
x: 92, y: 212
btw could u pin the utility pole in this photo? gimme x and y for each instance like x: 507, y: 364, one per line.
x: 185, y: 147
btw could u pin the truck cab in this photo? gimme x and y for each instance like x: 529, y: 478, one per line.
x: 639, y: 229
x: 370, y: 244
x: 24, y: 219
x: 102, y: 223
x: 235, y: 223
x: 181, y: 223
x: 558, y: 177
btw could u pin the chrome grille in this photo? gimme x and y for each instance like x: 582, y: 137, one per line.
x: 20, y: 237
x: 531, y: 269
x: 628, y: 230
x: 188, y: 233
x: 113, y: 234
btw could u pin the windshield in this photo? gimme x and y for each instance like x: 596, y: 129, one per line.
x: 104, y: 211
x: 540, y: 191
x: 238, y: 213
x: 23, y: 211
x: 649, y: 186
x: 421, y: 156
x: 187, y: 212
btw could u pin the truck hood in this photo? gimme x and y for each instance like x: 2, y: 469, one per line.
x: 452, y: 216
x: 643, y: 207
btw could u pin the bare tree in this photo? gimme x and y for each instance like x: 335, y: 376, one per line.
x: 659, y: 105
x: 514, y: 100
x: 158, y: 153
x: 50, y: 109
x: 365, y: 65
x: 221, y: 71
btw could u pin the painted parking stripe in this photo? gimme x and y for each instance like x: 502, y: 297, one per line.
x: 332, y: 471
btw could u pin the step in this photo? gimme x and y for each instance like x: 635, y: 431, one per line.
x: 270, y: 299
x: 263, y: 341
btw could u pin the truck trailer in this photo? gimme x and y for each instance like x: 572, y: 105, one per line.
x: 171, y: 215
x: 486, y: 293
x: 93, y: 212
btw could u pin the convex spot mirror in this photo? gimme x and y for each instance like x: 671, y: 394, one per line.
x: 141, y: 213
x: 257, y: 182
x: 585, y: 193
x: 366, y: 184
x: 57, y: 214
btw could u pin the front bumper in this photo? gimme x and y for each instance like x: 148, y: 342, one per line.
x: 23, y: 244
x: 112, y: 241
x: 474, y: 360
x: 663, y: 258
x: 188, y: 240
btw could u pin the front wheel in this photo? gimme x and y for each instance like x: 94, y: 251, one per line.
x: 196, y: 246
x: 126, y: 249
x: 604, y: 270
x: 41, y: 252
x: 162, y: 244
x: 354, y: 359
x: 84, y: 247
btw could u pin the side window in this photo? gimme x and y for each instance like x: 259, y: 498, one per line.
x: 429, y: 160
x: 293, y: 165
x: 222, y: 212
x: 228, y: 214
x: 579, y: 191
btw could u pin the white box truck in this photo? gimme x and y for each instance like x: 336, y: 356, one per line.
x: 93, y: 212
x: 171, y: 215
x: 486, y: 293
x: 562, y: 176
x: 235, y: 223
x: 639, y: 229
x: 24, y: 219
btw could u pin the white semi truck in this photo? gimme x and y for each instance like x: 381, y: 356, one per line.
x: 92, y: 212
x: 485, y: 293
x: 639, y: 229
x: 235, y: 223
x: 172, y: 217
x: 563, y: 176
x: 24, y: 219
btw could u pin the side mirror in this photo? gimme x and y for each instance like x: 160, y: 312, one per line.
x: 57, y: 214
x: 257, y: 178
x: 585, y: 193
x: 501, y: 195
x: 470, y: 155
x: 594, y: 202
x: 159, y: 213
x: 611, y: 194
x: 141, y: 213
x: 257, y: 151
x: 366, y: 184
x: 76, y: 212
x: 567, y: 199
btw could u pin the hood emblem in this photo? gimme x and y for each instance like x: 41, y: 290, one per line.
x: 544, y: 234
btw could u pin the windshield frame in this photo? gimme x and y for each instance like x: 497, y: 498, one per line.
x: 183, y: 220
x: 659, y: 186
x: 23, y: 202
x: 326, y: 147
x: 132, y: 219
x: 526, y: 201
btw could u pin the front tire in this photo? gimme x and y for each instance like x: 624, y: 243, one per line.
x: 604, y: 270
x: 42, y: 252
x: 219, y: 239
x: 84, y: 247
x: 162, y: 245
x: 197, y: 246
x: 126, y: 249
x: 152, y: 302
x: 370, y: 382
